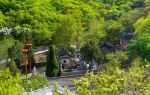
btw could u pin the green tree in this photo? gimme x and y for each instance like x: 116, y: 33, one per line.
x: 91, y: 51
x: 116, y: 59
x: 10, y: 85
x: 69, y: 31
x: 13, y: 68
x: 140, y: 47
x: 142, y: 26
x: 113, y: 29
x: 116, y: 81
x: 43, y: 16
x: 15, y: 53
x: 2, y: 19
x: 129, y: 18
x: 52, y: 67
x: 4, y: 45
x: 92, y: 38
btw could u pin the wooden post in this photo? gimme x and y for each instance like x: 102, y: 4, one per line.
x: 29, y: 52
x: 25, y: 61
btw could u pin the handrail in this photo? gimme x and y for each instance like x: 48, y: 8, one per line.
x: 41, y: 91
x: 47, y: 90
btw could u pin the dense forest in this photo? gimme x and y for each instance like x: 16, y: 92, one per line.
x: 91, y: 25
x: 69, y: 22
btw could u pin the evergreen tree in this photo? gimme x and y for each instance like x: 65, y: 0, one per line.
x: 13, y: 68
x: 52, y: 68
x: 15, y: 53
x: 31, y: 55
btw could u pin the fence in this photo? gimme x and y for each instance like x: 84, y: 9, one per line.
x: 47, y: 91
x: 43, y: 91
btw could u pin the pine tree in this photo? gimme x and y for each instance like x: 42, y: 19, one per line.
x: 52, y: 68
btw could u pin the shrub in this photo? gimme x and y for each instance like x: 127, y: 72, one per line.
x: 13, y: 68
x: 34, y: 83
x: 10, y: 85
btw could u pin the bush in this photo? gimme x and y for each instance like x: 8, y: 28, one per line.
x: 13, y: 68
x: 34, y: 83
x: 134, y: 81
x: 9, y: 85
x: 15, y: 53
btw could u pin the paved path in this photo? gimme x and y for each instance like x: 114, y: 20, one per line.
x: 65, y: 81
x: 67, y: 78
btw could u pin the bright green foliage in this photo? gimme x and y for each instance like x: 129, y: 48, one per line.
x: 42, y: 17
x: 92, y: 37
x: 66, y: 91
x: 10, y: 85
x: 2, y: 19
x: 77, y: 35
x: 4, y: 45
x: 116, y: 81
x: 113, y: 30
x: 116, y: 59
x: 30, y: 14
x: 13, y: 68
x: 141, y: 46
x: 131, y: 17
x: 34, y: 83
x: 56, y: 89
x: 95, y: 32
x: 52, y: 67
x: 84, y: 23
x: 143, y: 26
x: 67, y: 31
x: 15, y: 53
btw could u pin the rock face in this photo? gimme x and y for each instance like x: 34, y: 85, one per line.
x: 106, y: 47
x: 139, y: 3
x: 125, y: 38
x: 127, y: 34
